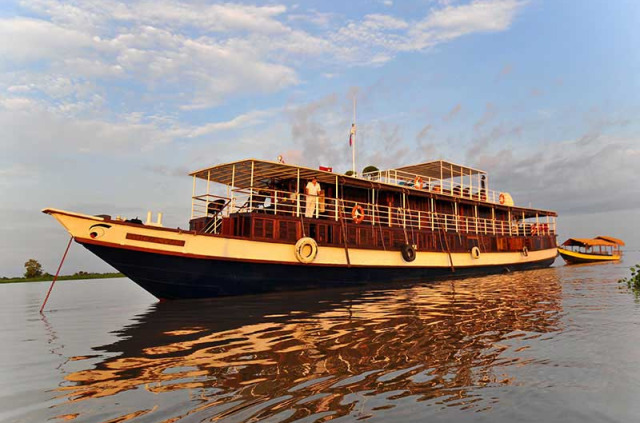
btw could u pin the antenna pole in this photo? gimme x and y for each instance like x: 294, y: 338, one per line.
x: 353, y: 147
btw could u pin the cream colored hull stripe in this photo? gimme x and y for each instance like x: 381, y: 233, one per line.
x: 239, y: 249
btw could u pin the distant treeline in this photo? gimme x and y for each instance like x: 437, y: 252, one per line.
x: 77, y: 275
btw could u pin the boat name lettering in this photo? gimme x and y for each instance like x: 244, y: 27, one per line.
x: 145, y: 238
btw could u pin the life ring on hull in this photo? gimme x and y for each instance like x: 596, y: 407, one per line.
x: 475, y: 253
x: 501, y: 198
x: 418, y: 183
x: 306, y: 250
x: 357, y: 214
x: 525, y: 251
x: 408, y: 252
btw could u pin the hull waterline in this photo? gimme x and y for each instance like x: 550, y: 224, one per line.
x: 175, y: 277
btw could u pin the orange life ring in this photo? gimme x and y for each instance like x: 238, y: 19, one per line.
x: 418, y: 183
x: 501, y: 198
x: 357, y: 213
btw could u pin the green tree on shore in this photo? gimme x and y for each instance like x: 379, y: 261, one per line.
x: 33, y: 269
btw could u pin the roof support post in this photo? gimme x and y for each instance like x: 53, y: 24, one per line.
x: 373, y: 209
x: 404, y: 207
x: 251, y: 190
x: 509, y: 217
x: 433, y: 216
x: 336, y: 196
x: 547, y: 231
x: 298, y: 194
x: 455, y: 211
x: 475, y: 211
x: 206, y: 213
x: 233, y: 184
x: 493, y: 219
x: 193, y: 194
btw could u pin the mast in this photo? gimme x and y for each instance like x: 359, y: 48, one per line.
x: 353, y: 145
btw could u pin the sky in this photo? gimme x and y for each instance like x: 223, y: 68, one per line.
x: 106, y: 106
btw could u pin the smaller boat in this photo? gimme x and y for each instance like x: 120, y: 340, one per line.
x: 591, y: 250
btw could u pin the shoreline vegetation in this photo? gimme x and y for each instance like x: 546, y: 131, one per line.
x: 75, y: 276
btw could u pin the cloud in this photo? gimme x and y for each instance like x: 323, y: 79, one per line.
x: 568, y: 176
x: 490, y: 112
x: 34, y: 40
x: 455, y: 21
x: 194, y: 55
x: 505, y: 71
x: 422, y: 135
x: 312, y: 127
x: 247, y: 119
x: 452, y: 113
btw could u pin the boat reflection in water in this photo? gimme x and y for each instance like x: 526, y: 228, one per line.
x: 355, y: 353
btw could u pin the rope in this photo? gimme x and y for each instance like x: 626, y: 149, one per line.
x: 57, y: 273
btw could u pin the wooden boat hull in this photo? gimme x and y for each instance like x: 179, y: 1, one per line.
x: 171, y: 264
x: 573, y: 257
x: 173, y: 277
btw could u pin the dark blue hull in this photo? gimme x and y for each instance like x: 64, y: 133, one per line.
x: 174, y: 277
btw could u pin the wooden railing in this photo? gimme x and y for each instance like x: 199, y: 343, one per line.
x: 286, y: 203
x: 451, y: 187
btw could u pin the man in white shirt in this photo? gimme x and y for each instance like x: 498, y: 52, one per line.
x: 311, y: 190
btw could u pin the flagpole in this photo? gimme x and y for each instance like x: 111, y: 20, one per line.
x: 353, y: 146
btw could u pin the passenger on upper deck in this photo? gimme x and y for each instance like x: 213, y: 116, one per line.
x: 312, y: 190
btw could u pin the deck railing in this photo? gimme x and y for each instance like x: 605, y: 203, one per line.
x: 286, y: 203
x: 460, y: 188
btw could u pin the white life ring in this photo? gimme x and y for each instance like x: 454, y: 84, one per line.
x: 475, y: 253
x: 306, y: 250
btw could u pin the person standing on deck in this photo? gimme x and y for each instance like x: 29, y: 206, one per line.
x: 311, y: 190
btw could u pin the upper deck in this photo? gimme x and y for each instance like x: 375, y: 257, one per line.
x: 441, y: 178
x: 428, y: 196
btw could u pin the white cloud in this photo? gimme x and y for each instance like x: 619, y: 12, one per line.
x: 216, y: 17
x: 242, y: 121
x: 26, y: 39
x: 455, y: 21
x: 377, y: 38
x: 198, y: 55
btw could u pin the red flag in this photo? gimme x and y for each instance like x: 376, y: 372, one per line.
x: 326, y: 169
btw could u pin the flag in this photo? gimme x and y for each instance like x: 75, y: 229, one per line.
x: 352, y: 134
x: 325, y: 168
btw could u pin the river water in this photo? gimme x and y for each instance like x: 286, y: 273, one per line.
x: 560, y: 344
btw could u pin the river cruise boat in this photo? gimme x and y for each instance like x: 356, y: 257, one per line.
x: 597, y: 250
x: 254, y: 228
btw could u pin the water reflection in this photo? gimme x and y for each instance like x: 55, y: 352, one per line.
x: 284, y: 357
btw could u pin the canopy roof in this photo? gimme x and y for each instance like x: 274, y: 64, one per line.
x: 611, y: 239
x: 239, y: 174
x: 588, y: 242
x: 440, y: 169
